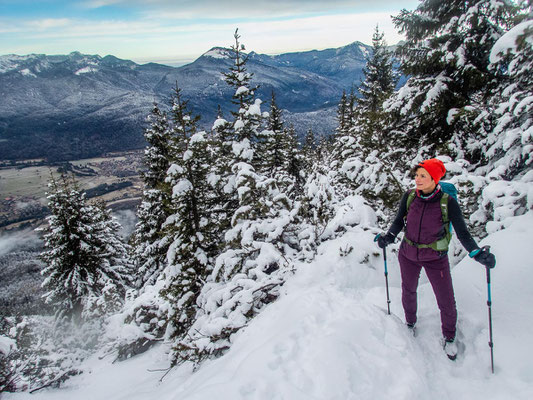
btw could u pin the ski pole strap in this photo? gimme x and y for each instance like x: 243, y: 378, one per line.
x: 474, y: 253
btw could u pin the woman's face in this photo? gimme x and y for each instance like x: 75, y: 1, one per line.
x: 423, y: 180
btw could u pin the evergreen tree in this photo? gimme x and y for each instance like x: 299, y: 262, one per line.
x: 378, y: 85
x: 221, y: 176
x: 246, y: 125
x: 310, y: 144
x: 84, y: 256
x: 194, y: 236
x: 252, y: 264
x: 184, y: 125
x: 279, y: 153
x: 150, y: 246
x: 368, y: 158
x: 8, y: 374
x: 509, y: 146
x: 116, y: 267
x: 296, y: 163
x: 343, y: 115
x: 158, y: 229
x: 317, y: 209
x: 182, y: 189
x: 248, y: 117
x: 446, y: 55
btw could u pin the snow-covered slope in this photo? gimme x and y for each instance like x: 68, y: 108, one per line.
x: 329, y: 337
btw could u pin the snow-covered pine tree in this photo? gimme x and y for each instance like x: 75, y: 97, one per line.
x: 8, y: 347
x: 246, y: 127
x: 184, y: 124
x: 296, y: 163
x: 509, y: 146
x: 248, y: 117
x: 279, y: 153
x: 446, y: 56
x: 309, y: 149
x: 369, y: 161
x: 343, y: 116
x: 150, y: 246
x: 251, y: 268
x: 317, y: 209
x: 377, y: 86
x: 345, y: 124
x: 116, y: 267
x: 221, y: 177
x: 82, y: 253
x: 507, y: 169
x: 193, y: 232
x: 192, y: 228
x: 45, y: 352
x: 149, y: 313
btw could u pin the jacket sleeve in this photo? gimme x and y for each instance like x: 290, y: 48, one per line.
x: 398, y: 223
x: 459, y: 225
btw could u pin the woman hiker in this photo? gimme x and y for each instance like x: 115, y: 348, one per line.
x: 425, y: 245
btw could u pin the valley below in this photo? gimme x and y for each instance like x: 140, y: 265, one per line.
x: 113, y: 178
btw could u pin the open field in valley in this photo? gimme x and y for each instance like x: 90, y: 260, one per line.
x: 114, y: 179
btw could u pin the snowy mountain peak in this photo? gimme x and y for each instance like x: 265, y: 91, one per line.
x: 11, y: 62
x: 218, y: 52
x: 75, y: 62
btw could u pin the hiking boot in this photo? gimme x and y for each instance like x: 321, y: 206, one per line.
x: 450, y: 348
x: 411, y: 328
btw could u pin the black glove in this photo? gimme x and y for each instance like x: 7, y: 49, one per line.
x: 385, y: 240
x: 486, y: 258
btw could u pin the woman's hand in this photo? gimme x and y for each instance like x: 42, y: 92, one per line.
x: 485, y: 257
x: 384, y: 240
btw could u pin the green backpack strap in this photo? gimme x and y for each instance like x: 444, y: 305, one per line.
x: 443, y: 243
x: 410, y: 199
x: 444, y: 208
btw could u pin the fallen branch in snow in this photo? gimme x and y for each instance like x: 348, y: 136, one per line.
x: 165, y: 374
x: 267, y: 287
x: 57, y: 381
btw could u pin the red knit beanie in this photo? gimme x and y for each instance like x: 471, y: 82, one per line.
x: 435, y: 168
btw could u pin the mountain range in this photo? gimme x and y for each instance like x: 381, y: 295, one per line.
x: 62, y: 107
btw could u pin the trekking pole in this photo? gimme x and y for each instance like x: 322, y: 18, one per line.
x: 386, y: 273
x: 489, y: 303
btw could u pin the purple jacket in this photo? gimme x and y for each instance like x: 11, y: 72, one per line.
x: 424, y: 225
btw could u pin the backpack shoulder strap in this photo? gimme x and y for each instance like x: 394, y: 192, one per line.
x: 410, y: 198
x: 444, y: 207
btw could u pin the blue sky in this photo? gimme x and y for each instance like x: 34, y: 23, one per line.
x: 176, y: 31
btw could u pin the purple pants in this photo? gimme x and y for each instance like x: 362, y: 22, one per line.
x: 438, y: 273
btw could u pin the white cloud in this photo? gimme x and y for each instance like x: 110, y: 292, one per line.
x: 245, y: 8
x: 99, y: 3
x: 50, y: 23
x: 151, y: 38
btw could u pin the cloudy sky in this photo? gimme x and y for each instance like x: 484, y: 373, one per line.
x: 174, y: 31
